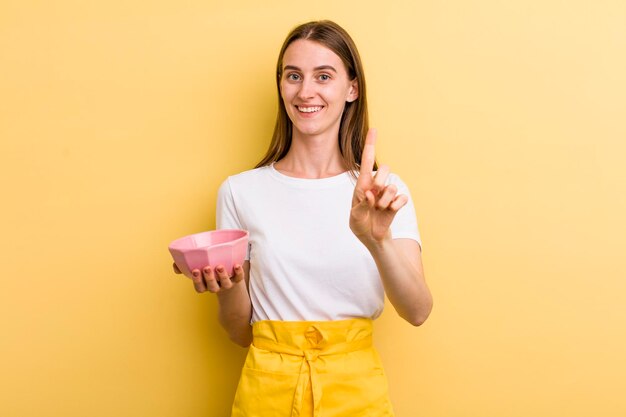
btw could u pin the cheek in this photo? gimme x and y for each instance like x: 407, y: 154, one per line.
x: 286, y: 92
x: 335, y: 96
x: 337, y: 93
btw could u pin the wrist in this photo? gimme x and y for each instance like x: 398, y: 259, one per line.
x: 376, y: 245
x: 226, y: 294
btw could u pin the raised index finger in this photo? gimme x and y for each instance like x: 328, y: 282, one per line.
x: 367, y: 157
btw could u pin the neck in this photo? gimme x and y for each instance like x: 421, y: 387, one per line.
x: 312, y: 157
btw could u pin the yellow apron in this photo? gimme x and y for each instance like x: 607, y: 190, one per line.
x: 312, y: 369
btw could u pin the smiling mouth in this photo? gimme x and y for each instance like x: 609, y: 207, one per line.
x: 310, y: 109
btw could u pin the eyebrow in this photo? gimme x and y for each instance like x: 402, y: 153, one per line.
x: 321, y: 67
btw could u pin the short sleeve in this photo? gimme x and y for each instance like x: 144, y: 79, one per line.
x: 226, y: 211
x: 404, y: 225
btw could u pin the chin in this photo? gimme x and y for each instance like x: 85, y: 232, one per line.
x: 307, y: 130
x: 316, y: 129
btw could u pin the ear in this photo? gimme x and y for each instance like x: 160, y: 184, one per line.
x: 353, y: 92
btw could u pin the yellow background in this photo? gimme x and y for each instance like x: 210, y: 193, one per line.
x: 119, y: 120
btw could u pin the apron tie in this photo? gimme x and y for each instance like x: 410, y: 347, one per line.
x: 308, y: 371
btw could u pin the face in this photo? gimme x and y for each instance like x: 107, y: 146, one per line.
x: 315, y: 87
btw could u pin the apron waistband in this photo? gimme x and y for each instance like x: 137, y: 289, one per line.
x: 317, y: 347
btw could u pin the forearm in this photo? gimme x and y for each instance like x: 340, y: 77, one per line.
x: 235, y: 311
x: 403, y: 279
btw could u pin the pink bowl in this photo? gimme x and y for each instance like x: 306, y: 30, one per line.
x: 226, y: 247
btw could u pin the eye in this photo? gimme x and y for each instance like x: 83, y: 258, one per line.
x: 324, y: 77
x: 293, y: 76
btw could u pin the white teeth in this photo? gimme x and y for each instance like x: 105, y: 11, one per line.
x: 309, y: 109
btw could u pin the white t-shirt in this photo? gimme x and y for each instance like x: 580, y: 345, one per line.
x: 305, y: 262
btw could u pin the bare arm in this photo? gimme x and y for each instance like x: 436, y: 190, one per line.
x: 399, y: 263
x: 235, y: 307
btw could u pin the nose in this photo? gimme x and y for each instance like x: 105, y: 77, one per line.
x: 307, y: 89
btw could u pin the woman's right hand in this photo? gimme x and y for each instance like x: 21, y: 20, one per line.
x: 214, y: 279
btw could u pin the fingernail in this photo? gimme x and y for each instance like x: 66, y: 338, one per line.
x: 195, y: 273
x: 220, y: 269
x: 237, y: 267
x: 207, y: 270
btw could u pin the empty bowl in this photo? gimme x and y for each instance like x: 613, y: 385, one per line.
x: 226, y: 247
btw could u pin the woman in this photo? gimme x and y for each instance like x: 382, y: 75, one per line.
x: 328, y: 238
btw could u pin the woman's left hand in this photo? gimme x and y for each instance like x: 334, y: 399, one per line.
x: 374, y: 204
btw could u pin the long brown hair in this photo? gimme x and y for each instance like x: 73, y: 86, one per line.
x: 354, y: 121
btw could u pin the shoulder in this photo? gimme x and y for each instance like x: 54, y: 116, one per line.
x: 392, y: 178
x: 396, y: 180
x: 247, y: 178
